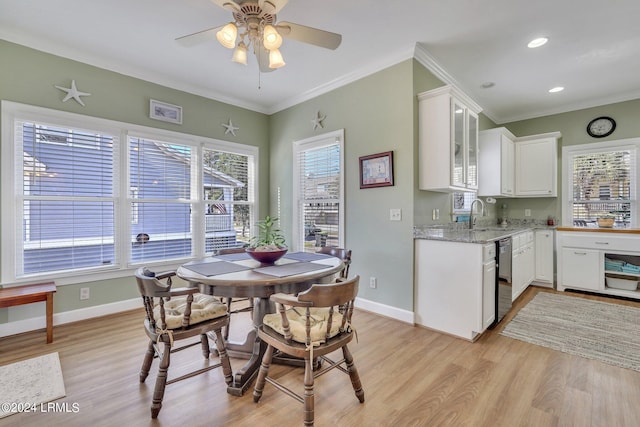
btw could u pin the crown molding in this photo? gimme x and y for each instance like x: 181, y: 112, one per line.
x: 630, y: 96
x: 370, y: 69
x: 425, y: 59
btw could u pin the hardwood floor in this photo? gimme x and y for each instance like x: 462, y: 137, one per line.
x: 411, y: 377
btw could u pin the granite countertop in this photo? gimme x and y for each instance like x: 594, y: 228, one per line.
x: 459, y: 232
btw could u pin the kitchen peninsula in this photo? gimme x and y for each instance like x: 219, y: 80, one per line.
x: 456, y: 273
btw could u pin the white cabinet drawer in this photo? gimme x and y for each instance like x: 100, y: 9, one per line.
x: 488, y: 252
x: 604, y: 241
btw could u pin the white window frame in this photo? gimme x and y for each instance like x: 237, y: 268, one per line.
x: 568, y: 152
x: 315, y: 142
x: 12, y: 212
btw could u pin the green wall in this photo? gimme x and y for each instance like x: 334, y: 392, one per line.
x: 28, y: 76
x: 377, y: 114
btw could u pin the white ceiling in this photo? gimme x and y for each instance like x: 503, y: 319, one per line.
x: 593, y: 51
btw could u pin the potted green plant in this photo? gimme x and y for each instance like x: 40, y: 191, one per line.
x: 268, y: 245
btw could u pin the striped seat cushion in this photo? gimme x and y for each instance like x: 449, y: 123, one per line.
x: 297, y: 323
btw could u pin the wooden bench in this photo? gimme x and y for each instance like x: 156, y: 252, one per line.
x: 26, y: 294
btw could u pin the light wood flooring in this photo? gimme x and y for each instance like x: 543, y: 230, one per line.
x: 411, y: 377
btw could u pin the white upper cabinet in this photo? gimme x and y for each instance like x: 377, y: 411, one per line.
x: 536, y: 165
x: 518, y: 167
x: 496, y: 163
x: 448, y: 132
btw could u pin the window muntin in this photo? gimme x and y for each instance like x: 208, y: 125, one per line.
x: 98, y: 205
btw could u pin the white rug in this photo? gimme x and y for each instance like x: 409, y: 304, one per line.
x: 596, y: 330
x: 32, y: 381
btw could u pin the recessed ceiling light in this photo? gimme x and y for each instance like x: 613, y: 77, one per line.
x: 538, y: 42
x: 556, y: 89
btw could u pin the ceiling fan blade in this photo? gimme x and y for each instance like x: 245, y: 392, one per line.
x: 229, y: 5
x: 272, y: 6
x: 309, y: 35
x: 199, y: 37
x: 262, y: 55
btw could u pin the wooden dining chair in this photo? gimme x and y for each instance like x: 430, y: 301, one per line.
x: 228, y: 301
x: 343, y: 254
x: 173, y: 315
x: 308, y: 326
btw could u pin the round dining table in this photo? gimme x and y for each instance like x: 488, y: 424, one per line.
x: 239, y: 276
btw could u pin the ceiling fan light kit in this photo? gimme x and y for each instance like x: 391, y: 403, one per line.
x: 272, y: 40
x: 240, y: 54
x: 254, y: 26
x: 227, y: 35
x: 275, y: 59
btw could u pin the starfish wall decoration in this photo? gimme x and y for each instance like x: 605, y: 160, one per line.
x: 72, y: 92
x: 230, y: 128
x: 317, y: 121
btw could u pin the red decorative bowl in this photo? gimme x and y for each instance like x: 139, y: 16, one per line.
x: 266, y: 257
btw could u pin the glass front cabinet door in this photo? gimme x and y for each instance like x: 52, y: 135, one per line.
x: 448, y: 149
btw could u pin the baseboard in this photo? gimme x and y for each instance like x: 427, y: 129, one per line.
x: 35, y: 323
x: 385, y: 310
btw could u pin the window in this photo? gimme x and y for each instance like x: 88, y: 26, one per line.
x: 161, y: 172
x: 228, y: 193
x: 461, y: 205
x: 600, y: 180
x: 318, y: 192
x: 93, y: 195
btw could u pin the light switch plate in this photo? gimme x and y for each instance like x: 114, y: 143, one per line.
x: 395, y: 214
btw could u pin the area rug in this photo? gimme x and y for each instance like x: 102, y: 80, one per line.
x: 592, y: 329
x: 30, y: 382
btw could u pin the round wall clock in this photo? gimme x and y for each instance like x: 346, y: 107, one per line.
x: 601, y: 127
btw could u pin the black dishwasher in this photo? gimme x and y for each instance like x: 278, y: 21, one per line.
x: 503, y: 285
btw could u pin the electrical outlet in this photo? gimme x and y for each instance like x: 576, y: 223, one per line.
x: 85, y: 293
x: 395, y: 214
x: 527, y: 212
x: 373, y: 282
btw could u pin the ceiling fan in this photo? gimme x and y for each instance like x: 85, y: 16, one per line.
x: 255, y: 27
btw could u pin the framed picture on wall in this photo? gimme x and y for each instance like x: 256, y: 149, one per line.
x: 376, y: 170
x: 165, y: 112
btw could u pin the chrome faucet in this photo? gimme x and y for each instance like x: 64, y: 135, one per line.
x: 472, y: 219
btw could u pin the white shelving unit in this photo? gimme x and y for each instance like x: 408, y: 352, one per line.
x: 587, y: 259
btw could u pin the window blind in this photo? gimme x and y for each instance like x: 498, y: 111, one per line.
x: 67, y: 198
x: 229, y: 197
x: 320, y: 195
x: 161, y: 205
x: 601, y: 185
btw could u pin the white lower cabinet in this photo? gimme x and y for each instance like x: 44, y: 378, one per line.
x: 603, y: 262
x: 488, y: 292
x: 522, y: 263
x: 544, y: 257
x: 454, y: 286
x: 581, y: 269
